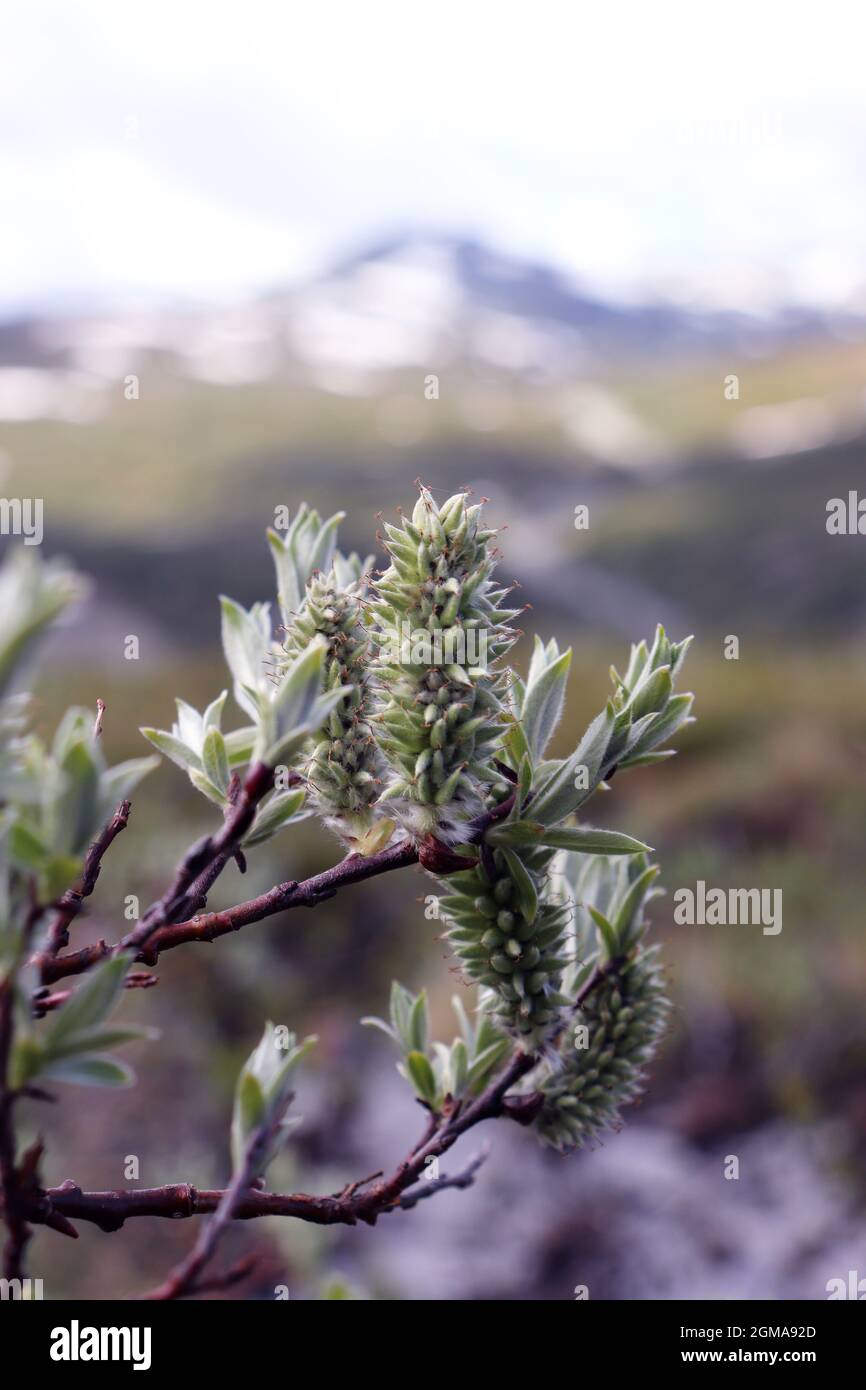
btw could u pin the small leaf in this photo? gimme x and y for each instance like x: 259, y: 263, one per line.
x: 249, y: 1112
x: 240, y: 744
x: 180, y: 753
x: 215, y: 760
x: 527, y: 896
x: 419, y: 1025
x: 91, y: 1002
x: 207, y: 788
x: 543, y: 703
x: 518, y: 832
x: 609, y: 942
x: 585, y: 840
x: 654, y: 695
x: 458, y: 1066
x: 90, y: 1070
x: 99, y: 1039
x: 370, y: 1022
x: 481, y: 1065
x: 420, y: 1073
x: 559, y: 796
x: 628, y: 920
x: 279, y: 810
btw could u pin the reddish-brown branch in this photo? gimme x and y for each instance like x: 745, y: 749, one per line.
x: 186, y: 1278
x: 209, y: 926
x: 19, y: 1185
x: 364, y: 1201
x: 204, y: 861
x: 72, y: 900
x: 44, y: 1002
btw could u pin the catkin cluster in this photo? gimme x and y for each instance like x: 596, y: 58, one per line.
x: 441, y: 626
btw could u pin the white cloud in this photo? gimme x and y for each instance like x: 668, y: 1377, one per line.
x: 631, y: 144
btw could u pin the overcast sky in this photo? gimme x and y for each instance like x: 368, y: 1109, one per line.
x: 213, y: 149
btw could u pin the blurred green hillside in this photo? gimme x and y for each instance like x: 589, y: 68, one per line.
x: 164, y: 501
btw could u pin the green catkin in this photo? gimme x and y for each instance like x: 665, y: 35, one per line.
x: 344, y: 767
x: 440, y: 629
x: 601, y: 1055
x: 625, y: 1016
x: 514, y: 949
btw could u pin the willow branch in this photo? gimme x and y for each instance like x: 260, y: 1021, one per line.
x: 310, y: 892
x: 364, y: 1201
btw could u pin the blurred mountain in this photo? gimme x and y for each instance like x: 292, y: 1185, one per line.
x: 415, y: 299
x: 706, y: 445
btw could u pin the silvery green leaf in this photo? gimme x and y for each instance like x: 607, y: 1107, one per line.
x: 307, y: 545
x: 73, y: 815
x: 286, y: 749
x: 543, y: 656
x: 653, y: 694
x: 207, y: 788
x: 518, y: 694
x: 296, y: 693
x: 484, y: 1062
x: 370, y: 1022
x: 248, y: 1115
x: 527, y: 896
x: 458, y: 1066
x: 486, y: 1035
x: 545, y: 695
x: 401, y: 1008
x: 279, y: 810
x: 648, y: 759
x: 524, y: 781
x: 179, y: 753
x: 559, y: 795
x: 466, y: 1030
x: 678, y: 655
x: 246, y: 637
x: 190, y: 729
x: 586, y: 840
x: 215, y: 760
x: 90, y: 1003
x: 609, y: 948
x: 419, y: 1023
x: 675, y: 714
x: 518, y: 832
x: 96, y: 1040
x: 263, y: 1094
x: 92, y: 1070
x: 240, y: 744
x: 212, y: 717
x: 420, y: 1073
x: 637, y: 662
x: 516, y: 742
x: 627, y: 923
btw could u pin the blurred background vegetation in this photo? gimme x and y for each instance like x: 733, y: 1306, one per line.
x: 707, y: 512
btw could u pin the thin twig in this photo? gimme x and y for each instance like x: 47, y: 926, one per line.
x: 185, y: 1278
x: 73, y: 899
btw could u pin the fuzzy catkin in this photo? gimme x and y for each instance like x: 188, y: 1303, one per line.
x: 441, y: 626
x: 508, y: 941
x: 625, y: 1016
x: 344, y: 767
